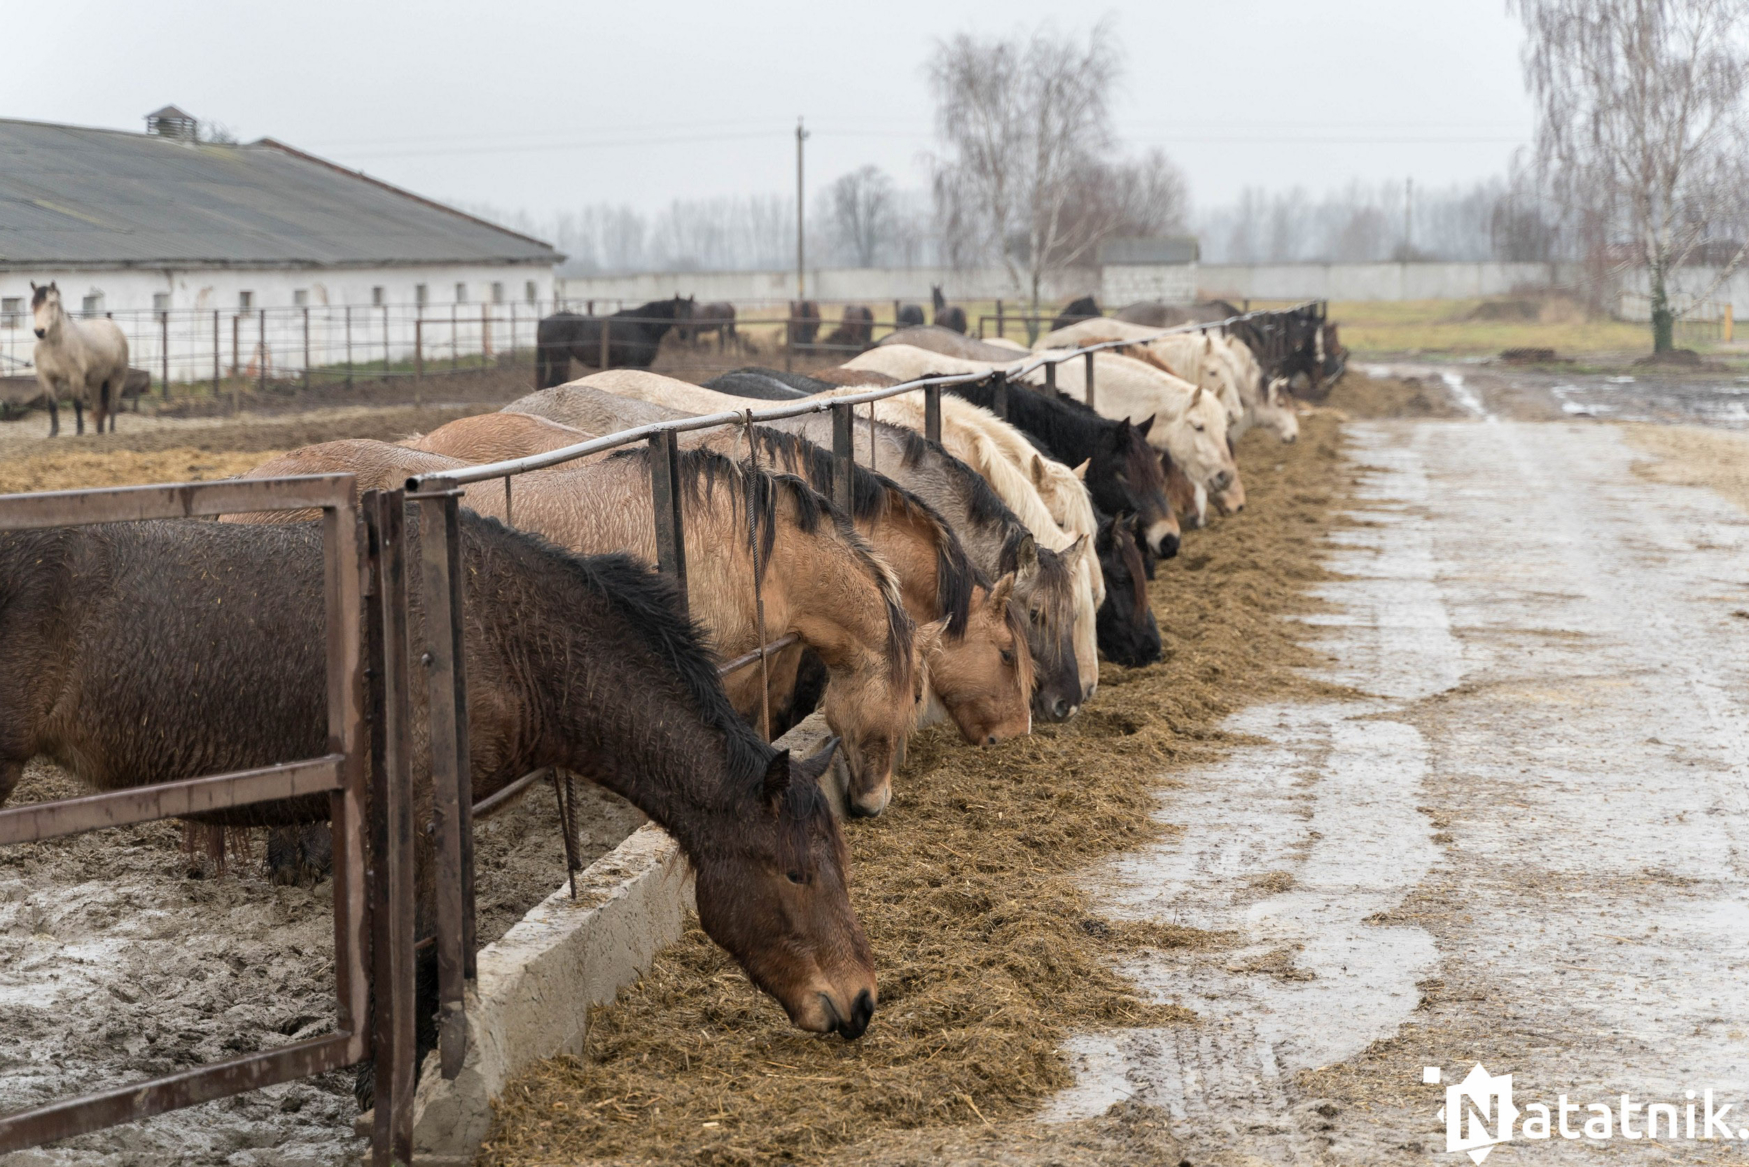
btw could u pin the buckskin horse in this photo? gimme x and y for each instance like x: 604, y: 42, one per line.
x: 633, y: 336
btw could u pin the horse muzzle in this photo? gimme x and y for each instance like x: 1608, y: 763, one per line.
x: 41, y: 332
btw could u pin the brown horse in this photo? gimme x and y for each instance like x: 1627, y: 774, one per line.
x: 497, y: 437
x: 819, y: 578
x: 804, y: 323
x: 980, y: 669
x: 141, y: 653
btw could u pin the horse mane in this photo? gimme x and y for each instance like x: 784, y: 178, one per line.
x: 873, y: 496
x: 702, y: 468
x: 38, y: 296
x: 654, y: 610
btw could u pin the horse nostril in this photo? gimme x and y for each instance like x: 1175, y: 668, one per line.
x: 990, y: 740
x: 1169, y: 547
x: 1061, y: 708
x: 859, y: 1016
x: 40, y: 333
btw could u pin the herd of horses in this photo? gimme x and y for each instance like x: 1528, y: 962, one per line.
x: 976, y: 580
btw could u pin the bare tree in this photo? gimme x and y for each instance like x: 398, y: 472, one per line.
x: 1641, y: 130
x: 860, y: 218
x: 1025, y: 176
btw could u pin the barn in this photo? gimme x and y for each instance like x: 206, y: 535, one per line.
x: 168, y: 226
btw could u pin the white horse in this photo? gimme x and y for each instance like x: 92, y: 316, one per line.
x: 87, y: 360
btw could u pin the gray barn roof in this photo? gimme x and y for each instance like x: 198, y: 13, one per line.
x: 71, y: 196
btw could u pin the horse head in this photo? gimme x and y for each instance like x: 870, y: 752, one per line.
x: 775, y: 896
x: 984, y: 677
x: 45, y: 308
x: 1128, y: 632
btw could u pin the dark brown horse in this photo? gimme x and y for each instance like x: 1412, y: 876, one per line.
x: 1086, y: 308
x: 855, y: 332
x: 140, y: 653
x: 804, y: 323
x: 718, y: 317
x: 947, y: 315
x: 633, y: 336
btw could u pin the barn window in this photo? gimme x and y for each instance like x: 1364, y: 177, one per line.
x: 497, y: 291
x: 421, y: 294
x: 531, y: 291
x: 461, y: 293
x: 160, y: 301
x: 11, y: 308
x: 301, y: 297
x: 91, y: 305
x: 376, y: 296
x: 245, y: 299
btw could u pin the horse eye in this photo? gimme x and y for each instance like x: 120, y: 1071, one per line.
x: 797, y: 877
x: 1035, y: 616
x: 1197, y: 427
x: 1007, y: 656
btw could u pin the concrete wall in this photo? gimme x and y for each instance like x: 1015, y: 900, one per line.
x: 1117, y: 284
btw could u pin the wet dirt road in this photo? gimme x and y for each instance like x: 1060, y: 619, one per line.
x: 1520, y: 843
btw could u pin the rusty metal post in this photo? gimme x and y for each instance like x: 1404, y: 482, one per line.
x: 1090, y: 401
x: 606, y: 344
x: 236, y: 345
x: 665, y: 501
x: 843, y: 454
x: 218, y: 354
x: 419, y: 351
x: 391, y: 839
x: 306, y: 348
x: 261, y: 349
x: 345, y: 582
x: 441, y: 581
x: 932, y: 412
x: 999, y: 394
x: 1001, y: 324
x: 164, y: 342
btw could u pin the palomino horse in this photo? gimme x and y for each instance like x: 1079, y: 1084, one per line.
x: 591, y: 410
x: 199, y: 648
x: 85, y: 359
x: 497, y: 437
x: 819, y: 578
x: 980, y: 670
x: 633, y: 336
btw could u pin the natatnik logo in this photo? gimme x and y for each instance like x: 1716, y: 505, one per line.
x: 1479, y: 1115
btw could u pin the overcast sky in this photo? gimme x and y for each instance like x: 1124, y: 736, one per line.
x: 542, y: 106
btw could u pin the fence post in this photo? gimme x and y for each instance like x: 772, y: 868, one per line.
x: 1090, y: 404
x: 306, y: 349
x: 419, y: 351
x: 665, y: 501
x: 1001, y: 324
x: 217, y: 355
x: 999, y: 394
x: 455, y: 344
x: 606, y: 346
x: 164, y: 341
x: 1051, y: 376
x: 843, y: 455
x: 391, y: 826
x: 932, y: 412
x: 236, y: 346
x: 451, y: 772
x: 385, y: 342
x: 349, y: 346
x: 261, y: 349
x: 1728, y: 320
x: 485, y: 333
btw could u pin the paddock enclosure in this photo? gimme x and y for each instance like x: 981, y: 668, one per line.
x: 260, y: 1018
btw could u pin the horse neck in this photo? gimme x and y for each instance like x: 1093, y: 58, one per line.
x: 830, y: 592
x: 900, y: 538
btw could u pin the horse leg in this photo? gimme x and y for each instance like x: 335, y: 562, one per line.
x: 78, y: 416
x: 54, y: 416
x: 102, y: 410
x: 10, y: 773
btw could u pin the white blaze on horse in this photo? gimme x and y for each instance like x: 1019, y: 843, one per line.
x: 86, y: 360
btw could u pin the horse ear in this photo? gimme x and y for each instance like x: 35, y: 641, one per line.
x: 1145, y: 426
x: 777, y: 776
x: 1026, y: 555
x: 1073, y: 552
x: 811, y: 769
x: 1038, y: 471
x: 33, y: 285
x: 1196, y: 397
x: 1081, y: 470
x: 1002, y: 592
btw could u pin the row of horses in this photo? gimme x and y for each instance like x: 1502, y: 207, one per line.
x: 977, y: 580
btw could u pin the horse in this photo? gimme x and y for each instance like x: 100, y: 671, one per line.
x: 803, y: 324
x: 949, y: 343
x: 758, y: 384
x: 593, y: 410
x: 1085, y: 308
x: 85, y: 359
x: 633, y: 336
x: 855, y: 331
x: 949, y: 316
x: 1046, y: 586
x: 1156, y: 314
x: 979, y: 668
x: 719, y: 317
x: 909, y: 316
x: 1124, y: 476
x: 820, y: 579
x: 497, y: 437
x: 198, y: 647
x: 1128, y: 632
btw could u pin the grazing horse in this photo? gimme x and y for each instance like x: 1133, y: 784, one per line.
x: 593, y: 410
x: 949, y: 343
x: 142, y: 653
x: 820, y: 579
x: 980, y: 670
x: 633, y: 336
x: 1086, y: 308
x: 1124, y: 476
x: 804, y: 323
x: 855, y: 331
x: 497, y: 437
x: 910, y: 316
x: 949, y: 316
x: 719, y: 317
x: 758, y: 384
x: 1128, y: 632
x: 85, y: 359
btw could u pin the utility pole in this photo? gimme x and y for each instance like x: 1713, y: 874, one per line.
x: 801, y: 289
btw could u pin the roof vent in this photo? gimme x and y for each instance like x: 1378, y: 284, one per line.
x: 171, y: 122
